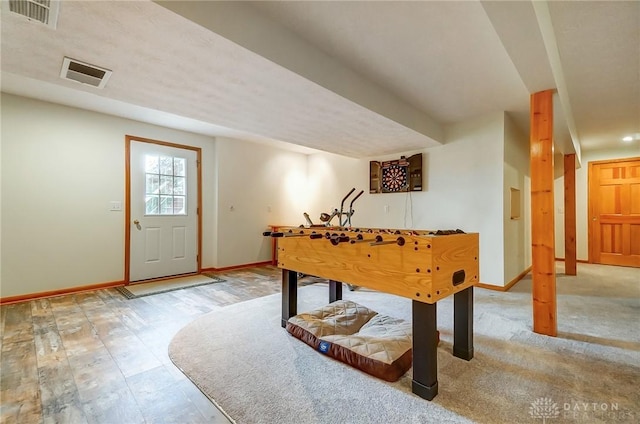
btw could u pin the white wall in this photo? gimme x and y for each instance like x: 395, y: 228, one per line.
x: 582, y: 205
x: 61, y: 167
x: 517, y: 256
x: 462, y: 188
x: 330, y: 179
x: 258, y: 186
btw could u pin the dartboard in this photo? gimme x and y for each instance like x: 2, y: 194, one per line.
x: 394, y: 178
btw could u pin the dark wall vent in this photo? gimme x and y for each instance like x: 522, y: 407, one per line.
x: 84, y: 73
x: 43, y: 11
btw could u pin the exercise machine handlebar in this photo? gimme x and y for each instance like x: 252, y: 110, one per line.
x: 356, y: 198
x: 309, y: 222
x: 344, y: 199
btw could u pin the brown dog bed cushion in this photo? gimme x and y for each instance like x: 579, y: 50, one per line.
x: 354, y: 334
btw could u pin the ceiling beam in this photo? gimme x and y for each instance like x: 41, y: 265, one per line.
x: 543, y: 16
x: 517, y: 25
x: 247, y: 27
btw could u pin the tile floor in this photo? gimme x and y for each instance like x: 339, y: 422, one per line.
x: 98, y: 357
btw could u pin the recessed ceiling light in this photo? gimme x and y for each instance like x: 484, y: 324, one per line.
x: 627, y: 138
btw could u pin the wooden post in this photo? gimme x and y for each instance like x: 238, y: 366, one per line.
x: 570, y: 214
x: 542, y: 212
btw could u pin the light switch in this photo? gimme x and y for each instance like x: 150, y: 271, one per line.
x: 115, y: 206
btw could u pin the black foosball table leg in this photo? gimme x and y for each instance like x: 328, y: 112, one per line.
x: 289, y: 295
x: 425, y: 350
x: 335, y: 291
x: 463, y: 324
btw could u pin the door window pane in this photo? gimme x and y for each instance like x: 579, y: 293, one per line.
x: 166, y: 205
x: 151, y: 205
x: 151, y: 164
x: 166, y: 165
x: 179, y: 205
x: 165, y: 185
x: 179, y: 185
x: 179, y: 167
x: 153, y: 184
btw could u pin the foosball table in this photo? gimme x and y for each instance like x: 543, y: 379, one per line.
x: 425, y: 266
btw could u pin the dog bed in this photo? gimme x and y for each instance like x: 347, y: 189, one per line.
x: 354, y: 334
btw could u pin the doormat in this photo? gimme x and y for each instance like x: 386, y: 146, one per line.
x: 133, y: 291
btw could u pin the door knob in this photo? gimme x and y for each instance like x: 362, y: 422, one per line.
x: 136, y: 222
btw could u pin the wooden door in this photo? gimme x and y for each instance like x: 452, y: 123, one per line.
x: 614, y: 212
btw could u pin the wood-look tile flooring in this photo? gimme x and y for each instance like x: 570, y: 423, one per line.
x: 97, y: 357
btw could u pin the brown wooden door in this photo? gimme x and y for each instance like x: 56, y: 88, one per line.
x: 614, y: 212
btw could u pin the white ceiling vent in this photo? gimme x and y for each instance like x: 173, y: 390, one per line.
x: 43, y: 11
x: 74, y: 70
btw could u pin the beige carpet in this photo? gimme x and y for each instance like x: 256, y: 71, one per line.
x: 257, y: 373
x: 136, y: 290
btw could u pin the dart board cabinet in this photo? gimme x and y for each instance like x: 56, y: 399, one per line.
x: 396, y: 176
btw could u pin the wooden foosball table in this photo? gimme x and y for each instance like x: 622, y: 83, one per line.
x: 425, y: 266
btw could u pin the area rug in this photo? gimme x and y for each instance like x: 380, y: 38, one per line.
x: 243, y: 360
x: 133, y: 291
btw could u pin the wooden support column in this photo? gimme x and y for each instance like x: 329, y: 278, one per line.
x: 570, y: 214
x: 542, y: 213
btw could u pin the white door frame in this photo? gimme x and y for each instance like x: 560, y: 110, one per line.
x: 127, y: 214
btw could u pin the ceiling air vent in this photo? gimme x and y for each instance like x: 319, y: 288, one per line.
x: 44, y: 11
x: 74, y: 70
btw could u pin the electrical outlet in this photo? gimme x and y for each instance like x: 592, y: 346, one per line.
x: 386, y: 208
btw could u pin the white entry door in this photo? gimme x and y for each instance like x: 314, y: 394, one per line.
x: 163, y: 211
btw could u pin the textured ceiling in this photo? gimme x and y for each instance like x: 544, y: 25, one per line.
x: 193, y: 72
x: 599, y: 45
x: 444, y: 58
x: 353, y: 78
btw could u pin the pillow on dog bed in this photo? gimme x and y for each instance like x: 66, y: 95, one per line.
x: 354, y: 334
